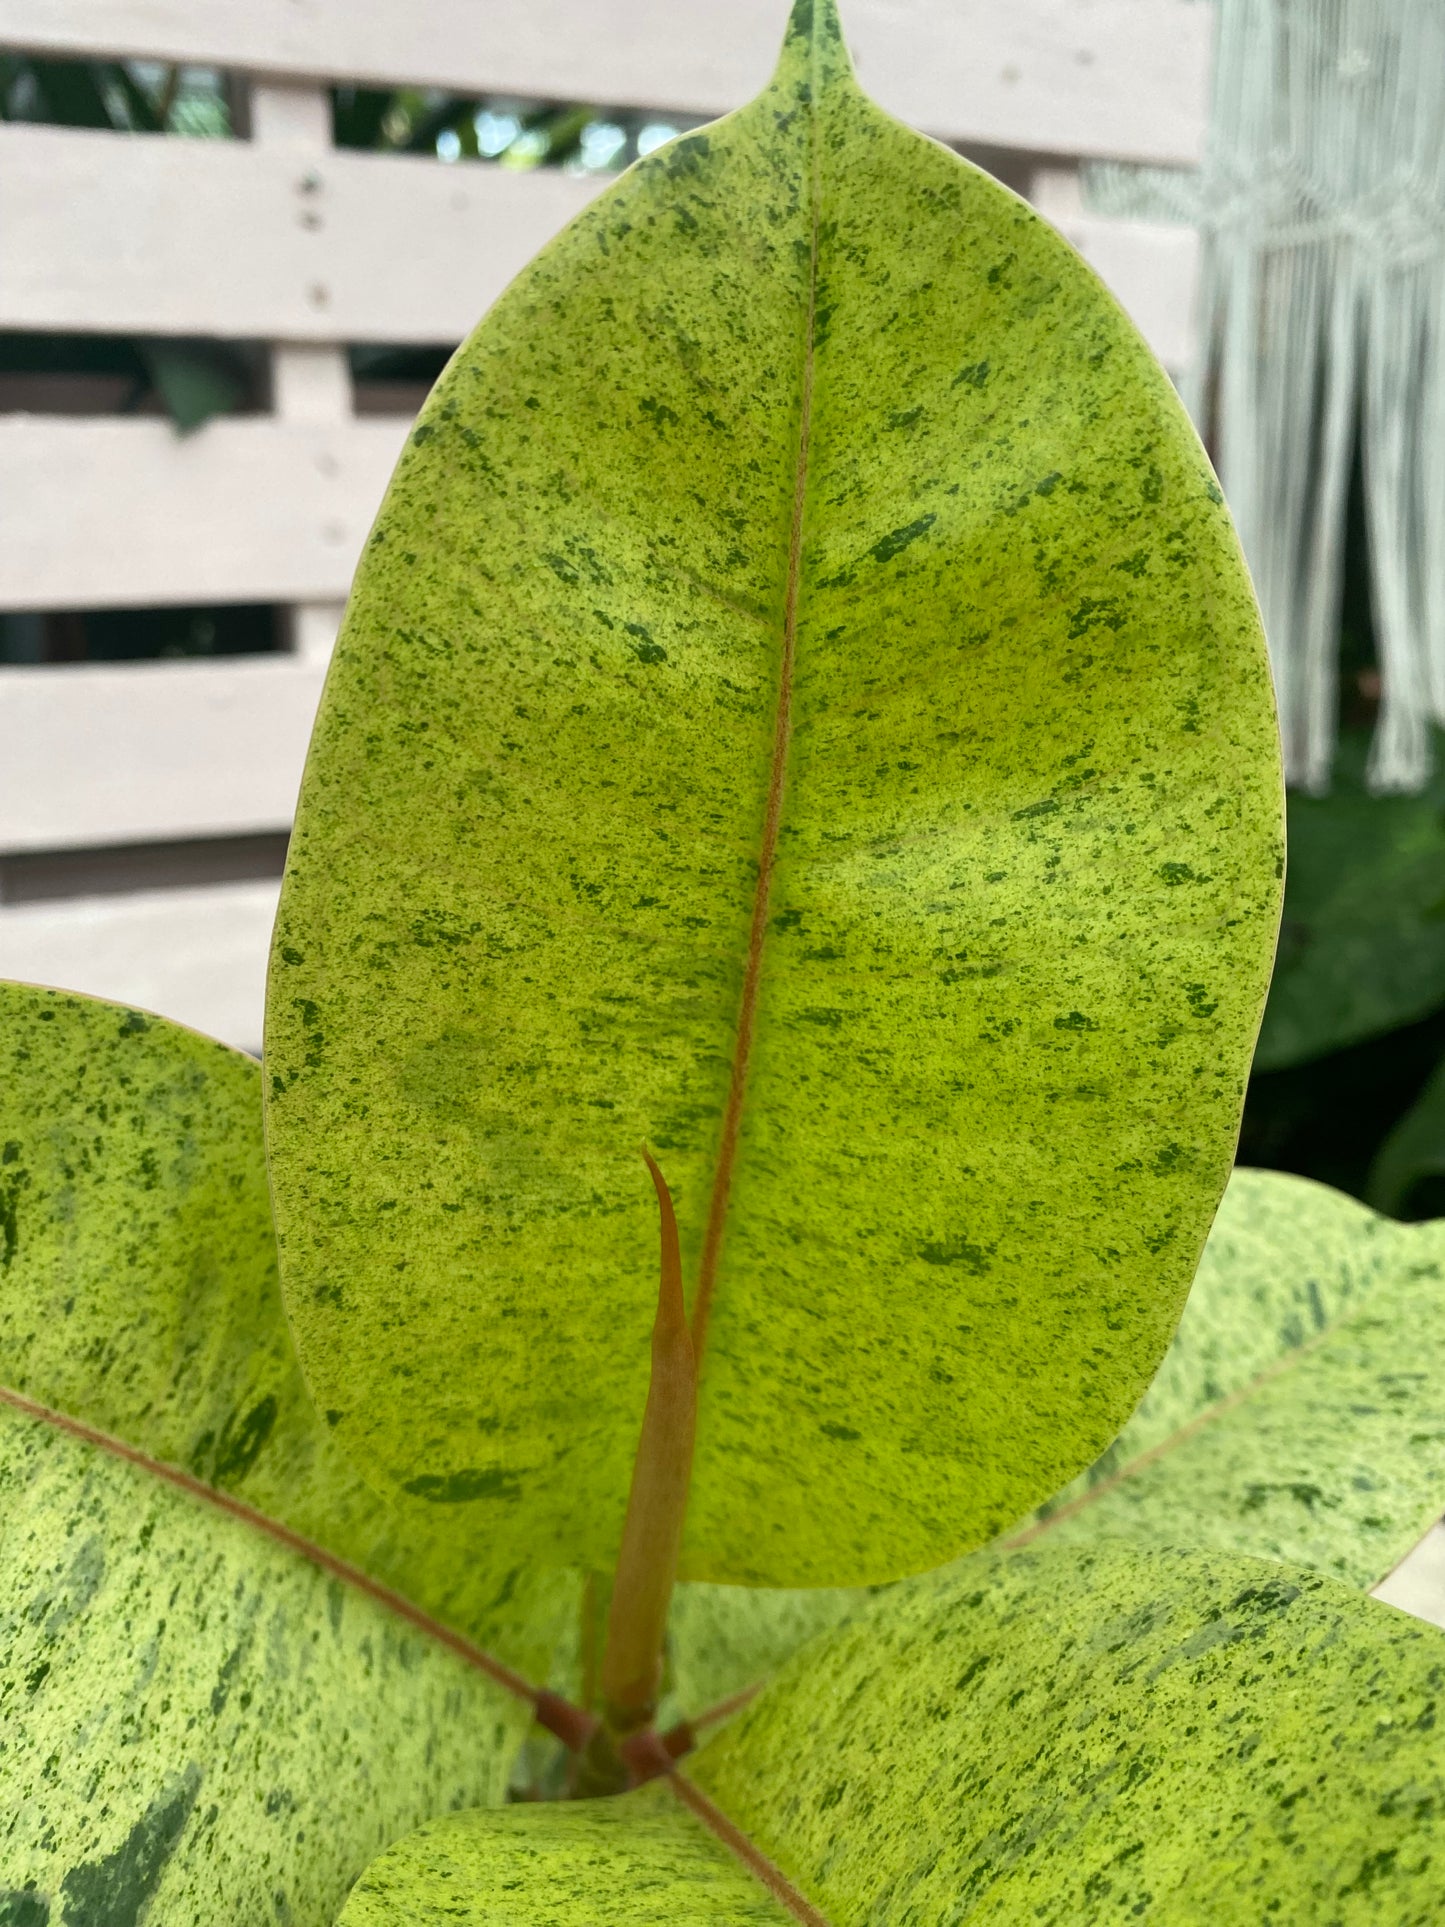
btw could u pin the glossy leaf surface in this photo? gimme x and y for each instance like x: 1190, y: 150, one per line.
x: 1062, y: 1736
x: 1301, y: 1411
x: 640, y: 1861
x: 723, y: 1640
x: 192, y: 1718
x: 1246, y: 1441
x: 196, y: 1725
x: 801, y: 708
x: 138, y: 1293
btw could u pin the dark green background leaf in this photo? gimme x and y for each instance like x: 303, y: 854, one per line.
x: 1362, y: 945
x: 1413, y: 1154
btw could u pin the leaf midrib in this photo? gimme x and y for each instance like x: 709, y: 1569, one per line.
x: 1151, y: 1455
x: 725, y: 1830
x: 777, y: 782
x: 276, y: 1530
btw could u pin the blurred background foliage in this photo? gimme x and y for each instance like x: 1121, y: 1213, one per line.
x: 1349, y: 1079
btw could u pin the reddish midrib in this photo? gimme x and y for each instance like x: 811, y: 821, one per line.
x: 739, y: 1845
x: 282, y: 1535
x: 772, y: 819
x: 1025, y: 1535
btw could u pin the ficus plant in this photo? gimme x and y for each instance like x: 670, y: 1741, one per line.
x: 779, y: 913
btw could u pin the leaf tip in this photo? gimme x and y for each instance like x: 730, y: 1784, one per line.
x: 815, y: 33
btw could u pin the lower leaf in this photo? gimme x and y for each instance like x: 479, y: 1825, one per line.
x: 640, y: 1861
x: 198, y: 1726
x: 1058, y: 1735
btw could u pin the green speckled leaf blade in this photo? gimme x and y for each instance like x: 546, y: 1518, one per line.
x: 721, y: 1640
x: 1304, y: 1415
x: 1069, y: 1735
x: 640, y: 1861
x: 198, y: 1726
x: 1018, y: 927
x: 139, y: 1294
x: 1034, y: 1710
x: 1286, y: 1260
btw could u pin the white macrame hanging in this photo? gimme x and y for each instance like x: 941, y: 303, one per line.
x: 1322, y: 206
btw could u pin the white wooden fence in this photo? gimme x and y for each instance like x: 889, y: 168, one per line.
x: 284, y: 240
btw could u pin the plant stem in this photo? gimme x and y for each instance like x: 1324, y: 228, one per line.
x: 657, y: 1501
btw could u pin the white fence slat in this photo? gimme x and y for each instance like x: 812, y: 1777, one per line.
x: 1417, y: 1584
x: 1122, y: 79
x: 113, y: 513
x: 119, y: 232
x: 1153, y: 268
x: 145, y: 234
x: 100, y: 755
x: 198, y: 956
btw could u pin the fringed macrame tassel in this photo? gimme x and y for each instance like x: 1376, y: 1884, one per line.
x: 1322, y: 202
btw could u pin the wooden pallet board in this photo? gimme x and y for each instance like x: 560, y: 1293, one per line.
x: 1117, y: 79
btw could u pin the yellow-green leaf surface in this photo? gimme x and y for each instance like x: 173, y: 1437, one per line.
x: 187, y: 1708
x: 1062, y: 1736
x: 198, y: 1728
x: 638, y: 1861
x: 1285, y: 1259
x: 1300, y: 1412
x: 802, y: 707
x: 722, y: 1640
x: 138, y: 1294
x: 1336, y: 1460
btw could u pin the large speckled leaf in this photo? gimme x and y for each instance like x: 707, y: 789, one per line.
x: 197, y: 1726
x: 1258, y: 1434
x: 1301, y: 1410
x: 801, y: 707
x: 724, y: 1640
x: 138, y: 1295
x: 1056, y: 1737
x: 638, y: 1861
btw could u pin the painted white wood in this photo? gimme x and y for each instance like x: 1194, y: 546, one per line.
x: 1153, y: 269
x: 1417, y: 1585
x: 1126, y: 79
x: 146, y: 234
x: 314, y: 628
x: 116, y: 232
x: 1057, y: 192
x: 99, y: 755
x: 198, y: 956
x: 310, y: 383
x: 116, y: 513
x: 290, y: 113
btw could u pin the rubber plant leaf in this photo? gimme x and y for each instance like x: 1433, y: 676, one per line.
x: 195, y: 1716
x: 1320, y: 1440
x: 802, y: 708
x: 1069, y: 1734
x: 1295, y: 1416
x: 198, y: 1724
